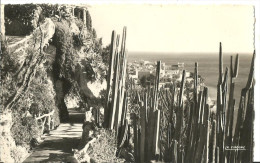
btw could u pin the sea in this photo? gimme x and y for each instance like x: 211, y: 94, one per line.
x: 207, y: 67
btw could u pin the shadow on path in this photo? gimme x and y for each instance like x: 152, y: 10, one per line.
x: 58, y: 145
x: 76, y: 117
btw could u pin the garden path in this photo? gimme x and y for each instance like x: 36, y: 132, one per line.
x: 58, y: 144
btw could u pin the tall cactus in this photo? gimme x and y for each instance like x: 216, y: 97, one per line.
x: 182, y: 87
x: 143, y: 115
x: 110, y: 78
x: 245, y: 119
x: 114, y: 93
x: 156, y: 86
x: 221, y: 107
x: 220, y: 63
x: 231, y: 102
x: 116, y: 83
x: 121, y: 85
x: 156, y: 148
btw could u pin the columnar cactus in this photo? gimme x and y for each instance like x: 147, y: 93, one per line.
x: 193, y: 132
x: 116, y: 87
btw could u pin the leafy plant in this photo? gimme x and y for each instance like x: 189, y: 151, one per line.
x: 49, y: 10
x: 65, y: 58
x: 105, y: 54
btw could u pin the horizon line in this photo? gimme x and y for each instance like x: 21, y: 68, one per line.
x: 195, y: 53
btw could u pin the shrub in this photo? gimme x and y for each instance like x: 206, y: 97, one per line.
x: 104, y: 148
x: 105, y: 54
x: 24, y: 129
x: 147, y: 79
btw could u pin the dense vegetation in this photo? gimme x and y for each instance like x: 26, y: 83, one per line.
x: 147, y: 80
x: 19, y: 19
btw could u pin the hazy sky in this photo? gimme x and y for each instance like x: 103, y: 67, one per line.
x: 178, y: 28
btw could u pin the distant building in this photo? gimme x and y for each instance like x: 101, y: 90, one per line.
x: 173, y: 67
x: 172, y: 72
x: 187, y: 74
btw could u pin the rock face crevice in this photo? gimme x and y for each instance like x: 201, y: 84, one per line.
x: 61, y: 91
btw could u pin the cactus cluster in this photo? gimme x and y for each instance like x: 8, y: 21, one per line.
x: 166, y: 128
x: 196, y: 133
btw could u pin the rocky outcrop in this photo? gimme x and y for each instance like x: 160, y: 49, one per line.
x: 9, y: 152
x: 90, y: 89
x: 2, y: 20
x: 77, y: 66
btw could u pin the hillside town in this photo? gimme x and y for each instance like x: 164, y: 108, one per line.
x: 168, y: 74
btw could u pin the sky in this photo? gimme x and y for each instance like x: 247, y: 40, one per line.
x: 177, y: 28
